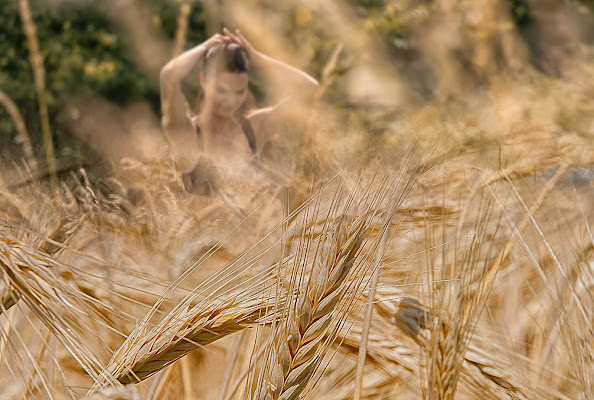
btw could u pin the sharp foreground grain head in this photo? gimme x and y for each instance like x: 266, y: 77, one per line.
x: 183, y: 330
x: 331, y: 271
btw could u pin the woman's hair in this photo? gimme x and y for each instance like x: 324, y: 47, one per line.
x: 226, y: 57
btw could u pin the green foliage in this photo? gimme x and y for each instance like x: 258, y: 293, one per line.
x: 392, y: 21
x: 80, y: 51
x: 520, y: 13
x: 588, y: 3
x: 83, y: 52
x: 388, y: 23
x: 364, y: 6
x: 165, y: 14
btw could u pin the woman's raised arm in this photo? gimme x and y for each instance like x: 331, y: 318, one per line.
x: 294, y: 78
x: 293, y: 83
x: 176, y: 124
x: 172, y: 100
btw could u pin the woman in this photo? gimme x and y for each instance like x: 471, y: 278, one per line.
x: 224, y: 131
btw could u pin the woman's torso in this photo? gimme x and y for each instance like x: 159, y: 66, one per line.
x: 224, y: 158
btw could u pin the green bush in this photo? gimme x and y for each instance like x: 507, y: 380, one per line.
x: 83, y: 52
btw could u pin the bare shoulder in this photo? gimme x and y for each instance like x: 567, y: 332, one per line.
x: 260, y: 116
x: 264, y: 122
x: 268, y: 115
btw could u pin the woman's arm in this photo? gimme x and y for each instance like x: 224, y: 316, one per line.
x: 172, y: 100
x: 297, y: 81
x: 176, y: 124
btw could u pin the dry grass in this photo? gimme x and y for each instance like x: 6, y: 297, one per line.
x: 483, y: 285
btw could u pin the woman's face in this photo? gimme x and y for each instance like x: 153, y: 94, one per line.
x: 225, y: 93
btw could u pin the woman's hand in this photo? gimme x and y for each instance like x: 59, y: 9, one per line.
x: 180, y: 66
x: 214, y: 40
x: 280, y: 72
x: 238, y: 38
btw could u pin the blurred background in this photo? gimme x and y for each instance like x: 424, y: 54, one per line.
x: 500, y: 64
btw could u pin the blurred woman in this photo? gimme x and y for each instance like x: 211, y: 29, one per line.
x: 225, y: 135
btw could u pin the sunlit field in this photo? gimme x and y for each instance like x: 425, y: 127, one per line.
x: 419, y: 228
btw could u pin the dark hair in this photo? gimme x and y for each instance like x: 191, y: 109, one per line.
x: 226, y: 57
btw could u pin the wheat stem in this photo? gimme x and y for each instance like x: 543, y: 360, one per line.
x: 19, y: 124
x: 369, y: 307
x: 182, y: 28
x: 231, y: 364
x: 36, y: 59
x: 158, y: 387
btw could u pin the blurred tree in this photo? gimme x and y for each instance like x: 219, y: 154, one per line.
x: 83, y: 52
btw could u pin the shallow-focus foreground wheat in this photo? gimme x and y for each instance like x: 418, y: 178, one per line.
x: 330, y: 275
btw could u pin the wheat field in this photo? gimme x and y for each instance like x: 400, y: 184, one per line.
x: 398, y: 245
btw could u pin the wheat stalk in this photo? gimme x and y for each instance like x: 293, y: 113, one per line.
x: 19, y: 124
x: 324, y: 295
x: 300, y: 339
x: 36, y: 59
x: 115, y: 393
x: 188, y: 327
x: 446, y: 344
x: 32, y: 276
x: 369, y: 309
x: 478, y: 366
x: 182, y: 28
x: 460, y: 297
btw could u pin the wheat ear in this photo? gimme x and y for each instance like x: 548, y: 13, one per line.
x: 296, y: 351
x: 446, y: 345
x: 479, y: 369
x: 185, y: 329
x: 32, y: 276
